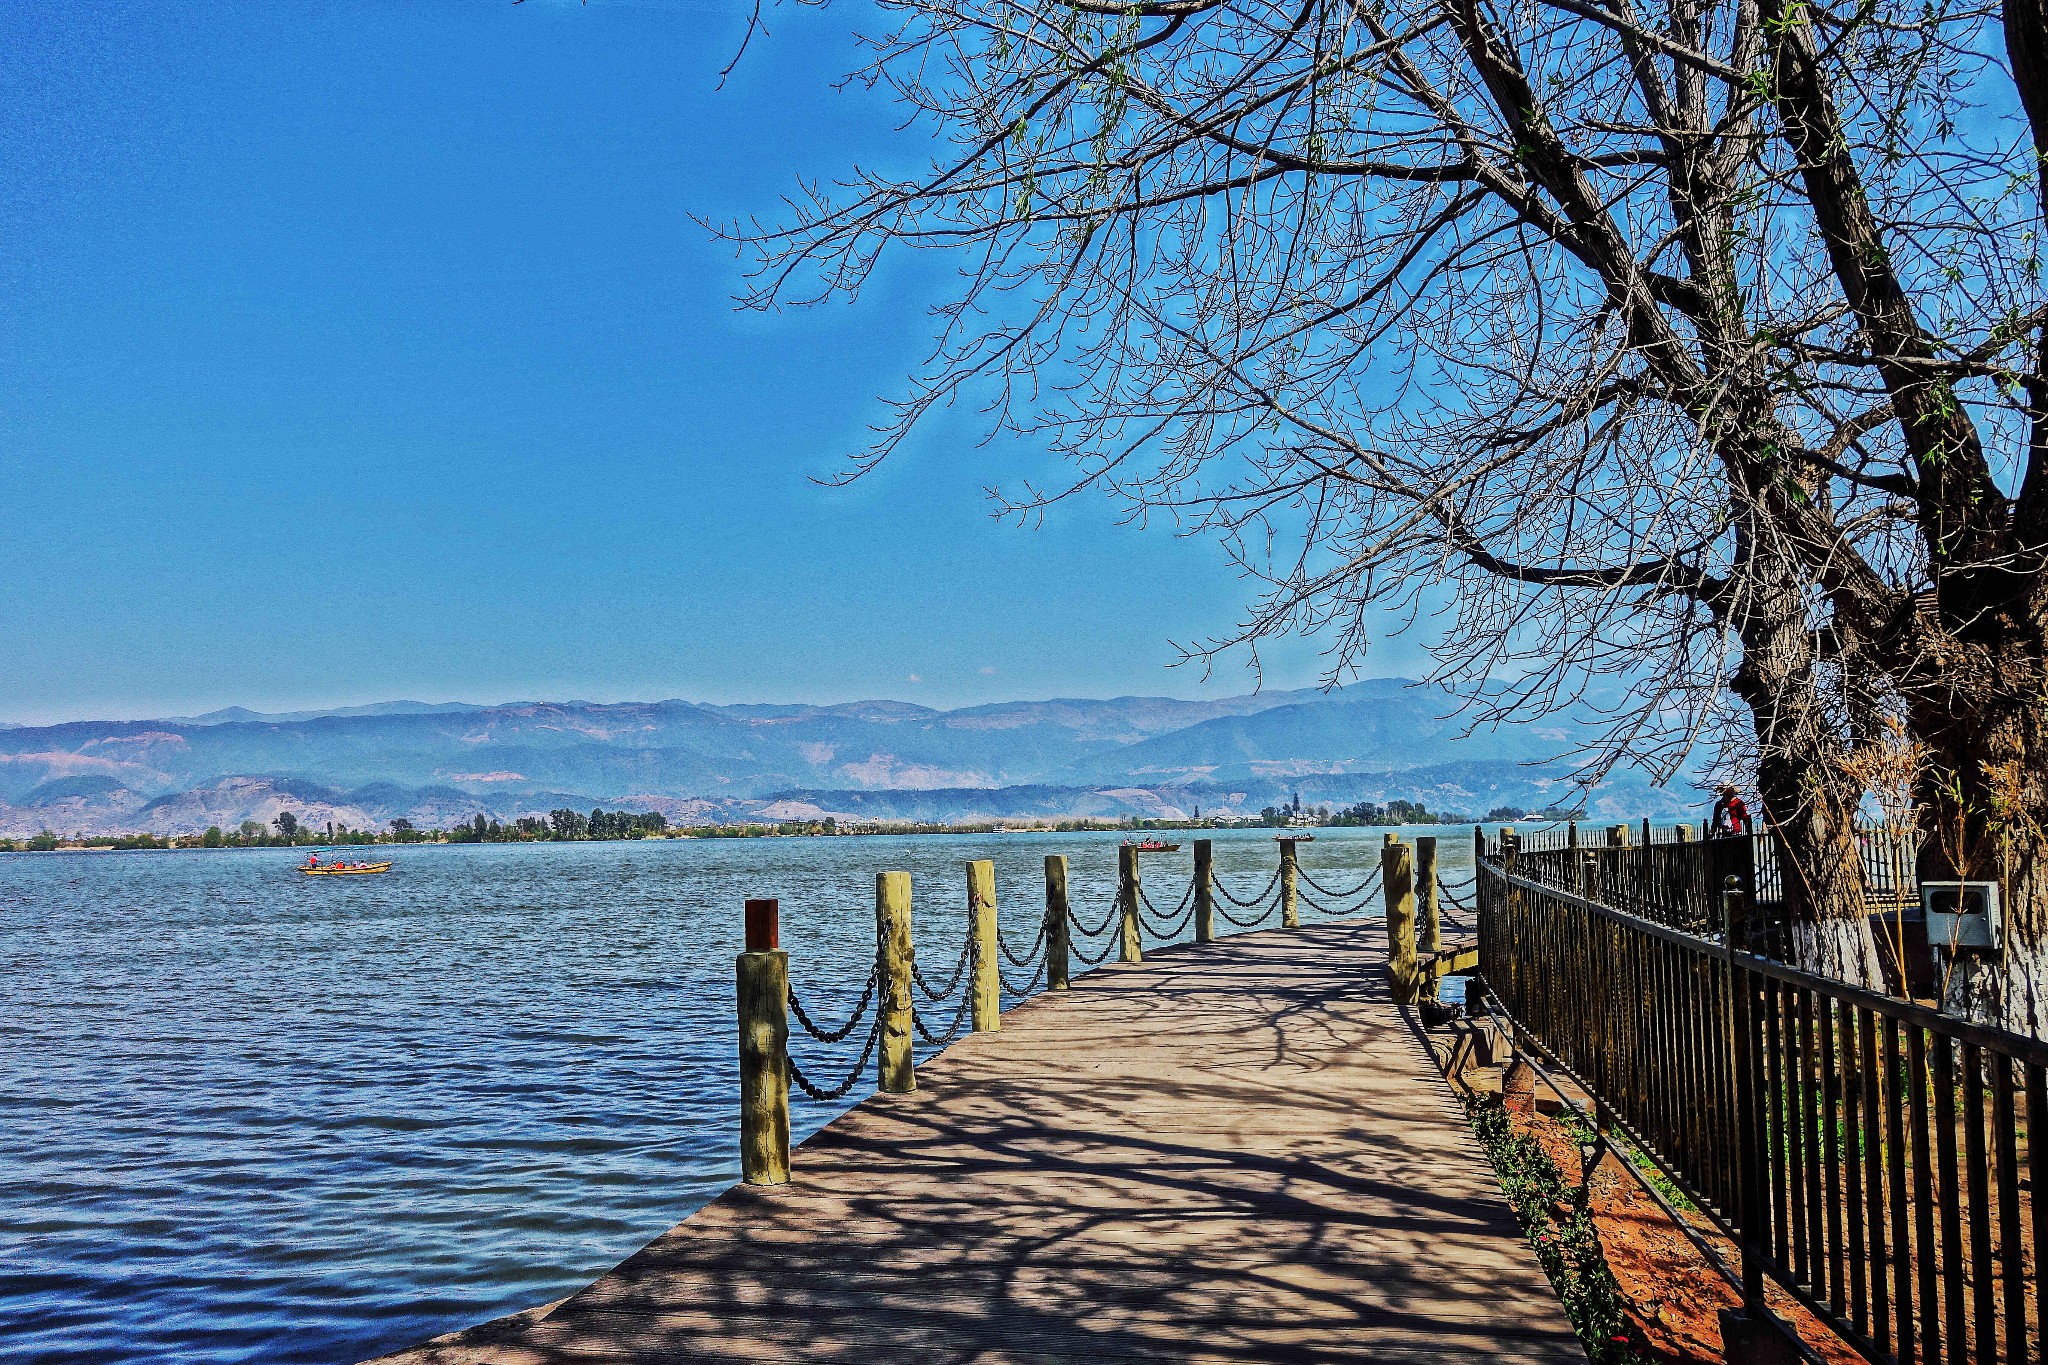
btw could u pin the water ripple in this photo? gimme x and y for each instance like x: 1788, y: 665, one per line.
x: 254, y: 1116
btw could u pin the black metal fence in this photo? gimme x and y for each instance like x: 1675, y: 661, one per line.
x: 1675, y: 878
x: 1882, y: 1162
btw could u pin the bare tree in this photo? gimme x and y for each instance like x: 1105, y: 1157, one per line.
x: 1528, y: 316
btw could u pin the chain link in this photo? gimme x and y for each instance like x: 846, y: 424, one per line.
x: 805, y: 1084
x: 860, y: 1010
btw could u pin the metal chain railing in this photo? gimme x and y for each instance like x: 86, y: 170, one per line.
x: 959, y: 970
x: 867, y: 995
x: 839, y: 1091
x: 1445, y: 895
x: 1364, y: 895
x: 1145, y: 902
x: 1254, y: 902
x: 1085, y: 930
x: 1029, y: 954
x: 952, y: 1029
x: 1174, y: 928
x: 1265, y: 913
x: 1101, y: 956
x: 1031, y: 983
x: 1371, y: 880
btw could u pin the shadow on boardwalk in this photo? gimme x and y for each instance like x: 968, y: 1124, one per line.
x: 1239, y: 1152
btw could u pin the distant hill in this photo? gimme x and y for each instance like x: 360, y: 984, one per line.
x: 437, y: 762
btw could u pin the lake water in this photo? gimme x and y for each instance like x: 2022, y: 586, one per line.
x: 255, y: 1116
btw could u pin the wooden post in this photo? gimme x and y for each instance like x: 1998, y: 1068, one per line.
x: 1646, y: 832
x: 895, y: 1068
x: 1130, y: 948
x: 1432, y: 936
x: 981, y: 919
x: 1058, y: 928
x: 763, y: 981
x: 1205, y: 891
x: 1397, y: 880
x: 1290, y: 894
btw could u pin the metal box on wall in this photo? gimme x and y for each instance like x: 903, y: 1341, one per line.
x: 1961, y: 914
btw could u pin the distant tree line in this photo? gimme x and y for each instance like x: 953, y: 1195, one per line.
x: 561, y: 824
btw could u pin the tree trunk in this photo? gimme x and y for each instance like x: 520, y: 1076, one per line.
x: 1811, y: 809
x: 1809, y: 801
x: 1984, y: 816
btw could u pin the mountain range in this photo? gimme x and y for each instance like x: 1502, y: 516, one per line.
x: 434, y: 763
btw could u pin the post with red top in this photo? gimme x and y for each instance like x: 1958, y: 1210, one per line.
x: 763, y: 972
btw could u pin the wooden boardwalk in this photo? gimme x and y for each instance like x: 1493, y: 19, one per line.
x: 1238, y: 1152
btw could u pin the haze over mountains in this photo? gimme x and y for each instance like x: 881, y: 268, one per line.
x: 436, y: 763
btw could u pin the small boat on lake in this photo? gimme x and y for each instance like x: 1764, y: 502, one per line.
x: 313, y: 867
x: 1151, y: 846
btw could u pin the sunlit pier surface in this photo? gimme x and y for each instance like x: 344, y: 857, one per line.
x: 1231, y: 1151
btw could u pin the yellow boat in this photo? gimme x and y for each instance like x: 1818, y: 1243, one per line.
x: 344, y: 869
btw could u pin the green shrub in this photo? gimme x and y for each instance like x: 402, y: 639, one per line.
x: 1568, y: 1246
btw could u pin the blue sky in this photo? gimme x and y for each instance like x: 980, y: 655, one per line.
x: 367, y: 349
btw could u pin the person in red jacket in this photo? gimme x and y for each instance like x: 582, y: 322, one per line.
x: 1731, y: 815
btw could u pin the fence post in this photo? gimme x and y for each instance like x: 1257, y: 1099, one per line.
x: 1397, y: 880
x: 1290, y: 894
x: 763, y: 982
x: 1646, y: 832
x: 1748, y: 1152
x: 1205, y: 891
x: 1431, y: 938
x: 1057, y: 926
x: 895, y: 1068
x: 1130, y: 948
x: 981, y: 914
x: 1510, y: 851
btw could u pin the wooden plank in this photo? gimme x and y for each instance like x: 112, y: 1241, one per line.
x: 1231, y: 1152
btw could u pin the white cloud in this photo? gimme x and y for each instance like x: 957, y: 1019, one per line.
x: 915, y: 677
x: 987, y: 670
